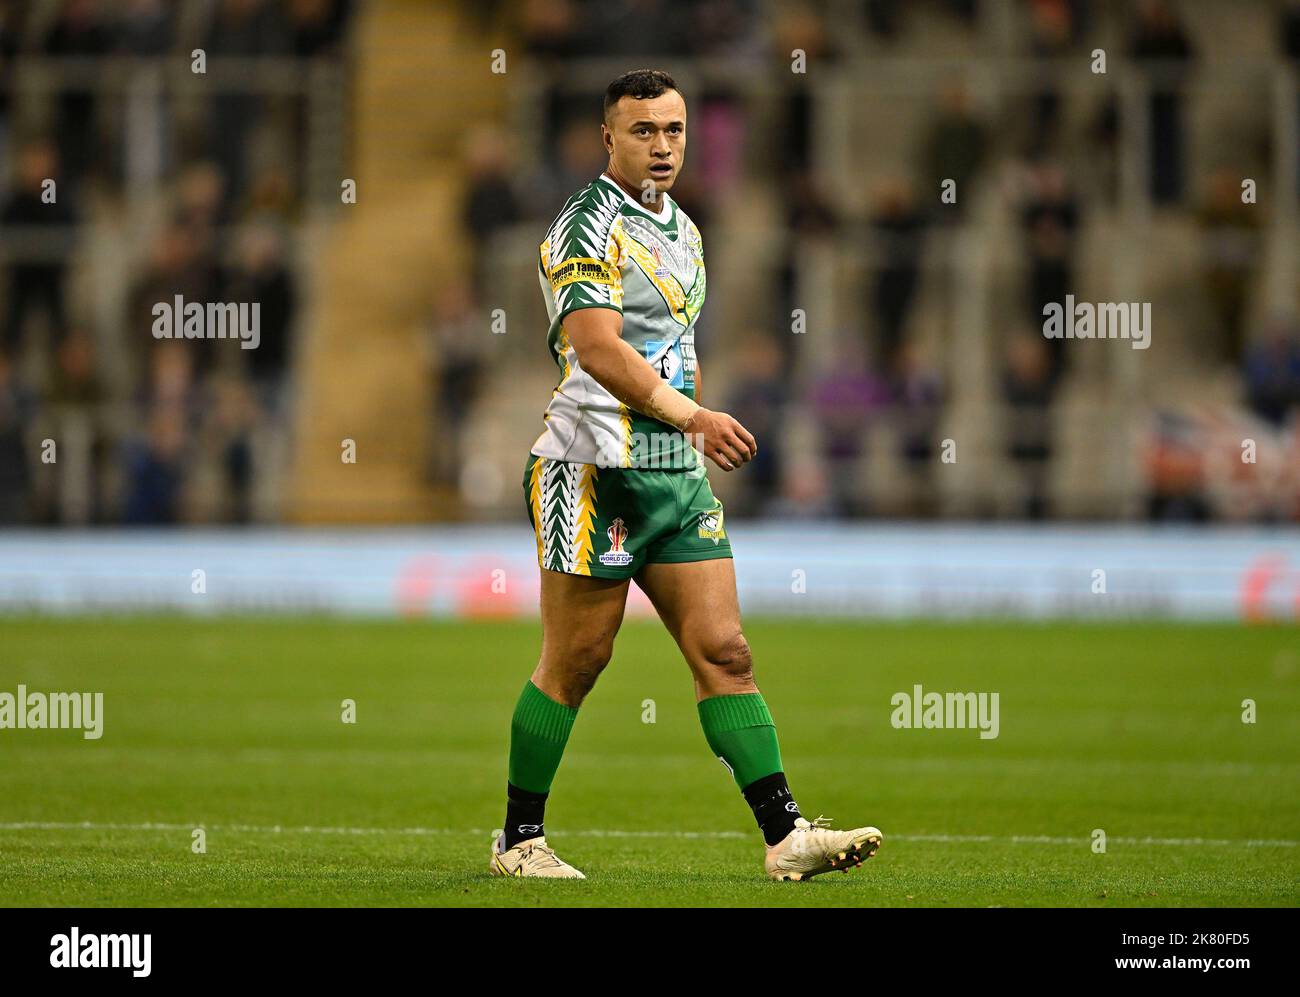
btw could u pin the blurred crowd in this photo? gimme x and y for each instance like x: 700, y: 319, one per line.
x: 201, y: 193
x: 200, y: 190
x: 888, y: 386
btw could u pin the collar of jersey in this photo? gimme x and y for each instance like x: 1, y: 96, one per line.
x: 662, y: 217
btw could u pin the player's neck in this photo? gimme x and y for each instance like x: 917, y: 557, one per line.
x: 657, y: 205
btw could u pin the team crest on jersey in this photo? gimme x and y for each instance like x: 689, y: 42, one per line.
x: 673, y: 258
x: 661, y: 271
x: 616, y: 556
x: 711, y: 527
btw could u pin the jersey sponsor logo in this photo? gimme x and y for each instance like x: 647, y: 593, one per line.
x: 711, y: 527
x: 616, y: 556
x: 582, y: 268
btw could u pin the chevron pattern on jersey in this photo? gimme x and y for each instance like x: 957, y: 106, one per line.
x: 563, y: 497
x: 582, y: 231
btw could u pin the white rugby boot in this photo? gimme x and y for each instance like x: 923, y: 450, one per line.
x: 533, y: 857
x: 813, y: 848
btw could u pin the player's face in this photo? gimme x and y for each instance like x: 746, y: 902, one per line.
x: 646, y: 139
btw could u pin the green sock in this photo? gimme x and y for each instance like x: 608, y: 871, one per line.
x: 740, y: 731
x: 538, y: 732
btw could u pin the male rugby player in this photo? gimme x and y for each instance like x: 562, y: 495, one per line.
x: 616, y: 491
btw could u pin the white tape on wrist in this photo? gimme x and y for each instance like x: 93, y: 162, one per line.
x: 671, y: 406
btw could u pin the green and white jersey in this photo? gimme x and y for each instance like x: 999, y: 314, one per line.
x: 607, y: 250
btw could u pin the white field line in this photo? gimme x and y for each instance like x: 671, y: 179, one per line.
x: 1016, y: 839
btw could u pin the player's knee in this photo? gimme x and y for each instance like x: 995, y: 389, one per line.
x: 583, y: 667
x: 731, y: 657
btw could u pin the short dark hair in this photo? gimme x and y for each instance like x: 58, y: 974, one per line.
x: 641, y: 84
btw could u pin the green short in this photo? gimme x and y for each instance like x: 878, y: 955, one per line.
x: 608, y: 521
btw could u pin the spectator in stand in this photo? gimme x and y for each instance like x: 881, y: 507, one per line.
x: 845, y: 401
x: 809, y: 219
x: 1049, y: 217
x: 261, y: 274
x: 1028, y: 389
x: 1175, y: 467
x: 318, y: 27
x: 757, y: 401
x: 1164, y: 52
x: 919, y: 398
x: 200, y: 189
x: 459, y: 351
x: 243, y: 29
x: 1232, y: 248
x: 579, y: 159
x: 143, y: 146
x: 234, y: 413
x: 718, y: 146
x: 176, y: 267
x: 12, y: 20
x: 1272, y: 374
x: 1051, y: 25
x: 154, y: 470
x: 953, y: 148
x: 490, y: 204
x: 154, y: 458
x: 76, y: 394
x: 898, y: 230
x: 16, y: 411
x: 803, y: 28
x: 80, y: 31
x: 1290, y: 33
x: 552, y: 32
x: 45, y: 232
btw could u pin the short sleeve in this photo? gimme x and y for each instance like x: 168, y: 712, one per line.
x: 584, y: 259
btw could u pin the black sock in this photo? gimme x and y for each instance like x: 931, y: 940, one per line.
x: 524, y: 813
x: 773, y: 805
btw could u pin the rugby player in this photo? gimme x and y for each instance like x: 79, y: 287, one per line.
x: 616, y: 491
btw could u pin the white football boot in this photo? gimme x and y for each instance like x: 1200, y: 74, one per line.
x: 533, y: 857
x: 813, y: 848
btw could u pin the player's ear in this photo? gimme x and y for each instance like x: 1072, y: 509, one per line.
x: 606, y: 137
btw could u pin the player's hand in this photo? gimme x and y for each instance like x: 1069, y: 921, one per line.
x: 721, y: 438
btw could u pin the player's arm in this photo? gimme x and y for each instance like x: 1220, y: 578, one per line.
x: 596, y: 336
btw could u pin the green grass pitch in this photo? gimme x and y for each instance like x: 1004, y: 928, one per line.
x: 235, y: 725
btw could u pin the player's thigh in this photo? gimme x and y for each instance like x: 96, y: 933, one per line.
x: 580, y: 619
x: 697, y: 602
